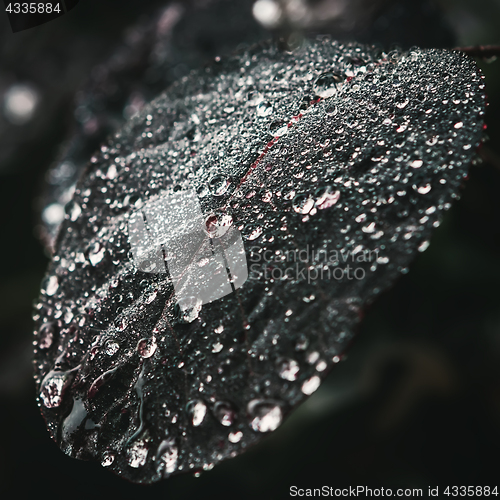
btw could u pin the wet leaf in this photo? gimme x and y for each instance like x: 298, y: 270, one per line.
x: 333, y: 162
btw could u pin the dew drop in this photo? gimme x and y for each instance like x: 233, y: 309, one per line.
x: 107, y: 458
x: 167, y: 456
x: 288, y: 369
x: 51, y: 285
x: 326, y: 198
x: 326, y: 85
x: 52, y: 388
x: 137, y: 454
x: 424, y: 246
x: 218, y: 225
x: 146, y: 347
x: 219, y: 185
x: 46, y: 335
x: 225, y: 413
x: 424, y: 189
x: 264, y: 108
x: 217, y: 347
x: 73, y: 210
x: 189, y: 308
x: 197, y: 411
x: 310, y: 386
x: 111, y: 348
x: 96, y: 253
x: 303, y: 204
x: 235, y: 437
x: 255, y: 233
x: 266, y: 415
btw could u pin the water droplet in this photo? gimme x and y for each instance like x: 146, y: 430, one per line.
x: 309, y: 386
x: 303, y: 204
x: 51, y: 285
x: 73, y: 210
x: 225, y: 413
x: 52, y: 388
x: 254, y: 98
x: 267, y: 197
x: 266, y: 415
x: 137, y: 454
x: 197, y: 411
x: 288, y: 369
x: 458, y: 125
x: 203, y: 191
x: 46, y: 335
x: 326, y: 198
x: 424, y: 189
x: 219, y: 185
x: 167, y: 456
x: 218, y: 225
x: 416, y: 164
x: 107, y: 458
x: 264, y: 108
x: 424, y: 246
x: 189, y: 308
x: 235, y: 437
x: 146, y: 347
x: 111, y: 348
x: 217, y: 348
x: 326, y: 85
x: 255, y: 233
x: 53, y: 214
x: 96, y: 253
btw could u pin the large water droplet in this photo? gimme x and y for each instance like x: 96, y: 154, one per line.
x: 189, y: 308
x: 146, y: 347
x: 225, y: 413
x: 288, y: 369
x: 46, y: 335
x: 52, y: 388
x: 311, y: 385
x: 167, y: 456
x: 51, y: 285
x: 137, y: 454
x: 326, y: 85
x: 264, y: 108
x: 96, y: 253
x: 108, y: 458
x: 219, y: 185
x: 303, y: 204
x: 266, y: 415
x: 197, y: 411
x: 326, y: 198
x: 218, y: 225
x: 235, y: 437
x: 111, y: 348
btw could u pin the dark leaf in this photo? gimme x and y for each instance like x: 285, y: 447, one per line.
x: 335, y: 162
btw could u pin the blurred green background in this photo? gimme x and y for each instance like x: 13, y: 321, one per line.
x: 416, y: 403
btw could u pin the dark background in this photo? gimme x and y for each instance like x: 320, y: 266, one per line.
x: 417, y: 401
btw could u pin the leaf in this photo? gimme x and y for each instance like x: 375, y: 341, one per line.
x: 335, y: 162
